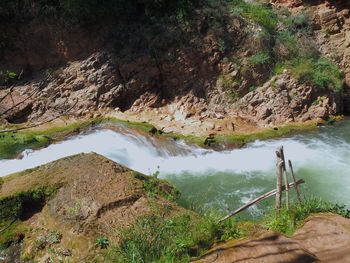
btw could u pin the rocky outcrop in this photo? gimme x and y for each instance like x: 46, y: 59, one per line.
x: 95, y: 197
x: 323, y: 238
x: 283, y: 99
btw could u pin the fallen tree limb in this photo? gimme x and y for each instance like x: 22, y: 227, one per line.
x: 260, y: 198
x: 41, y: 123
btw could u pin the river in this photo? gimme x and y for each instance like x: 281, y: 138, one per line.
x: 210, y: 179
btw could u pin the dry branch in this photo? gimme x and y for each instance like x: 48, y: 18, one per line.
x: 6, y: 227
x: 41, y: 123
x: 293, y: 176
x: 260, y: 198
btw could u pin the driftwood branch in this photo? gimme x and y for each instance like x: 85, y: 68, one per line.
x: 260, y: 198
x: 41, y: 123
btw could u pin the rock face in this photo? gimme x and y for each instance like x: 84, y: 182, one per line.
x: 283, y: 99
x: 332, y: 23
x: 96, y: 197
x: 323, y: 238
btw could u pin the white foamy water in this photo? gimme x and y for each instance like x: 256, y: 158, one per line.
x: 322, y: 159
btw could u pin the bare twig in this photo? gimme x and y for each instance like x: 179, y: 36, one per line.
x: 14, y: 106
x: 6, y: 227
x: 41, y: 123
x: 293, y: 176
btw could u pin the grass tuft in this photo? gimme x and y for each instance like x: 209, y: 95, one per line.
x: 288, y: 221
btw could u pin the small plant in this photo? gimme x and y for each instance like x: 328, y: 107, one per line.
x: 102, y: 242
x: 54, y: 237
x: 75, y: 209
x: 40, y: 242
x: 221, y: 46
x: 234, y: 95
x: 251, y: 89
x: 7, y: 75
x: 226, y: 81
x: 318, y: 101
x: 262, y: 58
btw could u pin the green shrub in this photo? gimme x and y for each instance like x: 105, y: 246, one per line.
x: 286, y: 46
x: 226, y: 81
x: 317, y: 72
x: 260, y: 14
x: 287, y: 221
x: 262, y: 58
x: 297, y: 23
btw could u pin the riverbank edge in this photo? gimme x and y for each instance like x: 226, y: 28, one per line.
x: 230, y: 232
x: 13, y: 143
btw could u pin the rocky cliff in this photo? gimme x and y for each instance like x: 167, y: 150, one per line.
x: 210, y: 67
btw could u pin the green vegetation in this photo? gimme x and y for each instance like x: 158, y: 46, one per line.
x: 16, y: 206
x: 241, y: 139
x: 88, y: 12
x: 155, y: 187
x: 14, y: 143
x: 13, y: 207
x: 181, y: 238
x: 317, y: 72
x: 6, y: 75
x: 284, y: 42
x: 287, y: 221
x: 102, y: 242
x: 260, y: 14
x: 262, y: 58
x: 176, y: 239
x: 12, y: 233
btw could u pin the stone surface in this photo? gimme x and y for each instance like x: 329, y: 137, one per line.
x: 322, y: 238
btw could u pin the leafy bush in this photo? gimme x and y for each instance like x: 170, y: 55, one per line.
x: 287, y: 221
